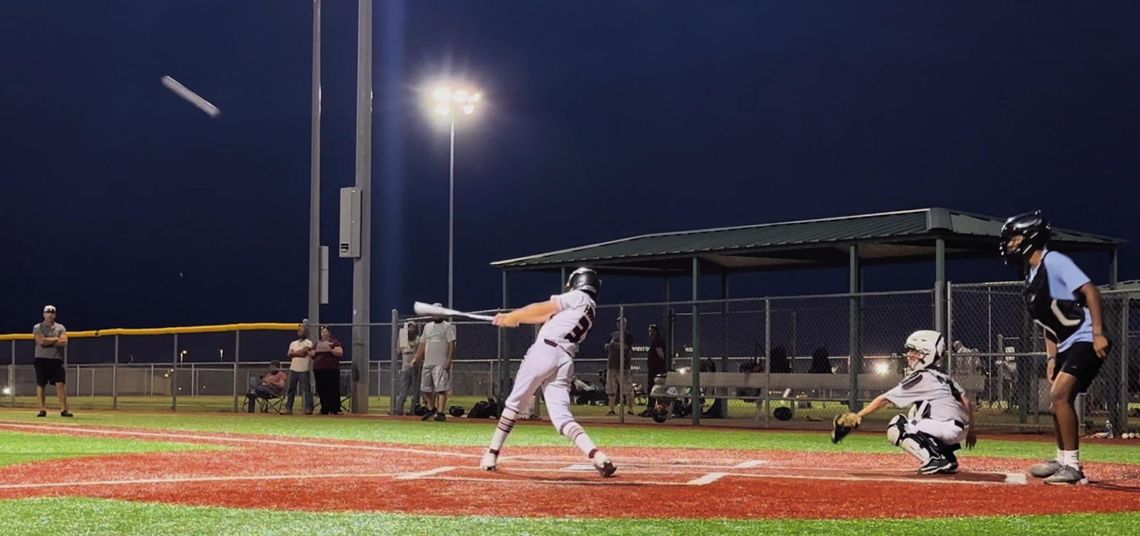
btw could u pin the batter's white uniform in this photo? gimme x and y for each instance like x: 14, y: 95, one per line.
x: 549, y: 363
x: 936, y: 408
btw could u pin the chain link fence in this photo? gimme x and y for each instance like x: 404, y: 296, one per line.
x: 779, y: 361
x: 993, y: 336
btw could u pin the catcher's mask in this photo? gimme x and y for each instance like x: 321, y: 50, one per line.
x: 923, y: 349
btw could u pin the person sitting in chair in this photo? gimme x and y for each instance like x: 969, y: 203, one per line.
x: 272, y: 384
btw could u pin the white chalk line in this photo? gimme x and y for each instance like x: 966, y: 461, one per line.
x: 516, y: 481
x: 184, y: 480
x: 236, y: 440
x: 706, y: 479
x: 424, y: 474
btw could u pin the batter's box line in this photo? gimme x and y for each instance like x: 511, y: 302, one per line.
x: 195, y: 479
x: 673, y: 464
x: 1009, y: 478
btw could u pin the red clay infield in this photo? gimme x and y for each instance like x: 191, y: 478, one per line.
x: 334, y: 475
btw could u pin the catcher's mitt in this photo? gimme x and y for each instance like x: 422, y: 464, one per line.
x: 844, y: 424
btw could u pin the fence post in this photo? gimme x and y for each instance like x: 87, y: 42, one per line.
x: 621, y: 365
x: 1124, y: 320
x: 174, y: 377
x: 950, y: 328
x: 695, y: 361
x: 394, y: 339
x: 115, y: 377
x: 767, y: 360
x: 1003, y: 371
x: 12, y: 374
x: 237, y: 359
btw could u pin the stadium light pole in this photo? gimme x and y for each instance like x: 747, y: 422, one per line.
x: 449, y: 100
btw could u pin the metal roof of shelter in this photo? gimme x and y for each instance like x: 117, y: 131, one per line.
x: 882, y: 238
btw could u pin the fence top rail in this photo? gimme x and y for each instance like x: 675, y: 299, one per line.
x: 756, y: 299
x: 991, y: 284
x: 216, y: 328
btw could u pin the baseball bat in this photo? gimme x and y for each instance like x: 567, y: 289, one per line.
x: 426, y: 309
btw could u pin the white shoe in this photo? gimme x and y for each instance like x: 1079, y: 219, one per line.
x: 488, y: 462
x: 603, y: 464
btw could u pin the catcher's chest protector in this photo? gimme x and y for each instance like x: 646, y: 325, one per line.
x: 1060, y: 318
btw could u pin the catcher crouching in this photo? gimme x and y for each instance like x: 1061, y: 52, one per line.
x: 940, y: 414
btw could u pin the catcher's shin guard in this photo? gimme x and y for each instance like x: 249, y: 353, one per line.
x: 921, y: 446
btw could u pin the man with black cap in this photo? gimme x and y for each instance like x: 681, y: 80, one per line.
x: 51, y: 338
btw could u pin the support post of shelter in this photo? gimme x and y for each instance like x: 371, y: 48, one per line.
x: 1113, y: 266
x: 695, y: 361
x: 940, y: 285
x: 501, y: 396
x: 667, y: 326
x: 855, y: 357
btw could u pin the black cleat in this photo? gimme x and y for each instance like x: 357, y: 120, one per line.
x: 939, y: 466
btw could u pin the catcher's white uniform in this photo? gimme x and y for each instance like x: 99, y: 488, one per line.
x: 936, y: 411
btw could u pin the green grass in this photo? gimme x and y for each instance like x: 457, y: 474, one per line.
x: 463, y: 432
x: 97, y: 516
x: 20, y: 447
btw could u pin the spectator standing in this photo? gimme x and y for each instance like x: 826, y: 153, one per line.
x: 656, y: 363
x: 51, y: 339
x: 326, y: 370
x: 436, y: 350
x: 407, y: 343
x: 616, y: 373
x: 301, y: 363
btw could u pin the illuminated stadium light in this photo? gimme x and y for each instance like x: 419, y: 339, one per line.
x: 446, y: 101
x: 449, y: 99
x: 7, y: 390
x: 882, y: 368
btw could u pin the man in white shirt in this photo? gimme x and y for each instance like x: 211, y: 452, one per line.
x: 436, y: 350
x: 300, y: 354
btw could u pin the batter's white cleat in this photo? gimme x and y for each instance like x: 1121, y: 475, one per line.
x: 603, y: 464
x: 489, y: 461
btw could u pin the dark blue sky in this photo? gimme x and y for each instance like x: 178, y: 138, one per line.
x: 606, y: 119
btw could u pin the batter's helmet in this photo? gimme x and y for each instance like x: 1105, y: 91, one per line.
x: 456, y: 411
x: 586, y: 280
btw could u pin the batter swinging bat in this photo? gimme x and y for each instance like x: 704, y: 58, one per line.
x: 425, y: 309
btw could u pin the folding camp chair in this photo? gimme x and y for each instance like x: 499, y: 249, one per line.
x: 265, y: 405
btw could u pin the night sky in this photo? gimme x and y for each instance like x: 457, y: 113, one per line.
x: 125, y: 206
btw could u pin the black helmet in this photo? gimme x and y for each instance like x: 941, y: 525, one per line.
x: 1033, y: 227
x: 586, y: 280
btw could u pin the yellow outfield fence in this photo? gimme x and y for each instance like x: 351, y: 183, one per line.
x: 176, y: 330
